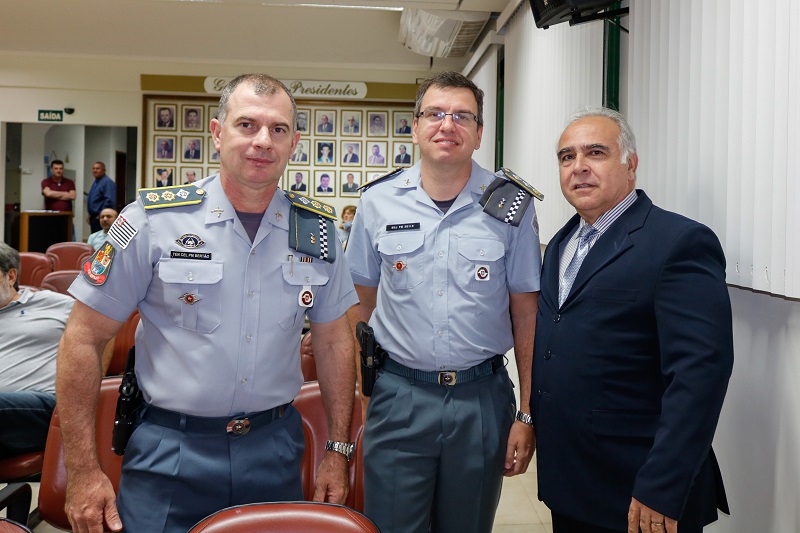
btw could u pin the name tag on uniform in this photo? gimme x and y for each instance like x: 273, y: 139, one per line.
x: 402, y: 227
x: 190, y: 255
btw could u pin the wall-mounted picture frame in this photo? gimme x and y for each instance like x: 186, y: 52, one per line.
x: 213, y: 154
x: 297, y: 180
x: 193, y: 118
x: 324, y: 183
x: 325, y: 121
x: 376, y: 153
x: 164, y: 148
x: 402, y: 153
x: 402, y: 121
x: 351, y: 153
x: 351, y: 122
x: 351, y: 181
x: 191, y: 174
x: 301, y: 153
x: 376, y: 121
x: 303, y: 119
x: 210, y: 171
x: 325, y: 153
x: 213, y: 112
x: 164, y: 117
x: 163, y: 176
x: 373, y: 176
x: 192, y: 149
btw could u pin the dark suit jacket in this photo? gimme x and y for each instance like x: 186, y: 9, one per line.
x: 353, y: 158
x: 630, y: 373
x: 298, y: 187
x: 402, y: 158
x: 187, y: 154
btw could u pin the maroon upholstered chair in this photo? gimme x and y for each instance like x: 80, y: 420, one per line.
x: 69, y: 255
x: 123, y: 342
x: 286, y: 517
x: 60, y: 280
x: 34, y: 266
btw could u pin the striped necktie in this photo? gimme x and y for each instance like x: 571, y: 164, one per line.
x: 584, y: 236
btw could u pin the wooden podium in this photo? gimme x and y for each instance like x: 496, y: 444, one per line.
x: 39, y: 229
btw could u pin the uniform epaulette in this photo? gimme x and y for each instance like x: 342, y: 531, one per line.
x: 310, y: 204
x: 385, y: 177
x: 508, y: 197
x: 172, y: 196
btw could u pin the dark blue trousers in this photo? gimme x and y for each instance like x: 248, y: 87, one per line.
x: 24, y: 421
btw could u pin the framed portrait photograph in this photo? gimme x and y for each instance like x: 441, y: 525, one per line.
x: 303, y: 116
x: 210, y: 171
x: 374, y: 175
x: 402, y: 153
x: 191, y: 149
x: 213, y: 154
x: 301, y: 153
x: 324, y: 183
x: 164, y: 148
x: 191, y: 174
x: 401, y: 121
x: 296, y: 180
x: 213, y: 111
x: 376, y: 123
x: 163, y: 176
x: 164, y: 117
x: 351, y: 181
x: 376, y: 153
x: 351, y: 153
x: 325, y: 152
x: 325, y: 121
x: 351, y: 122
x: 193, y: 118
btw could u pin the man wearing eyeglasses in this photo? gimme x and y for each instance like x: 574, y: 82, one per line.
x: 447, y: 288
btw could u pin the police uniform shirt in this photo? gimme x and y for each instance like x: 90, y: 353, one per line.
x: 221, y: 317
x: 443, y: 280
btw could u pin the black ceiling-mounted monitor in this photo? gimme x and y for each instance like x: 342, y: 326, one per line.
x: 546, y: 13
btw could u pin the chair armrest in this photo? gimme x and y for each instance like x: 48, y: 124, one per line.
x: 16, y: 499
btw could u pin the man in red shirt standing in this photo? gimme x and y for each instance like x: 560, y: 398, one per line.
x: 57, y: 190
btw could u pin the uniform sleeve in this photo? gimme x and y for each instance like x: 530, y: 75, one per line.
x: 128, y: 275
x: 362, y: 253
x: 524, y: 264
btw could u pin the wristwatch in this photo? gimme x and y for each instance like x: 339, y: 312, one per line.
x: 525, y: 418
x: 344, y: 448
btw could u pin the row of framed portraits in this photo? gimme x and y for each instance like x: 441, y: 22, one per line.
x: 350, y: 122
x: 352, y: 153
x: 183, y: 117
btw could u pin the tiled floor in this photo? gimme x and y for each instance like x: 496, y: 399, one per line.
x: 519, y: 510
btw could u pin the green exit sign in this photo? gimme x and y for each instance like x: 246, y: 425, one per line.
x: 51, y: 115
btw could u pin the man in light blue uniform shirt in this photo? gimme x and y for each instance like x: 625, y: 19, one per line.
x: 222, y: 297
x: 447, y: 288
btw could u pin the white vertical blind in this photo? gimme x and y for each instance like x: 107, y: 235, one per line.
x: 549, y: 74
x: 713, y: 101
x: 485, y: 76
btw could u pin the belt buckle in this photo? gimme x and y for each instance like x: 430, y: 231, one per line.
x: 239, y: 426
x: 447, y: 378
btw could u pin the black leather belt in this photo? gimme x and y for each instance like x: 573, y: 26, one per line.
x: 235, y: 425
x: 447, y: 378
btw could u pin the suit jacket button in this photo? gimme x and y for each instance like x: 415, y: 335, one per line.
x: 556, y: 318
x: 548, y: 355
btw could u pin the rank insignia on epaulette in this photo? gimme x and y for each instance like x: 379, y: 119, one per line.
x: 172, y: 196
x: 508, y: 197
x: 379, y: 179
x: 311, y: 204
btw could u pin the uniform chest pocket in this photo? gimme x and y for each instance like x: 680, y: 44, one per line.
x: 402, y: 259
x: 301, y: 282
x: 192, y: 293
x: 481, y: 264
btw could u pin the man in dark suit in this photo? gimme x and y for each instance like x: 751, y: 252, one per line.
x: 191, y: 151
x: 324, y: 125
x: 633, y: 349
x: 402, y: 158
x: 350, y: 156
x: 298, y: 183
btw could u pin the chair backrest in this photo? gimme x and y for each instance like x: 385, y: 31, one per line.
x: 69, y: 255
x: 122, y: 343
x: 60, y: 280
x: 34, y: 267
x: 52, y: 491
x: 315, y: 430
x: 309, y: 367
x: 286, y: 517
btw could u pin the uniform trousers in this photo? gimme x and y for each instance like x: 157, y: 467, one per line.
x: 434, y: 455
x: 172, y: 479
x: 24, y: 421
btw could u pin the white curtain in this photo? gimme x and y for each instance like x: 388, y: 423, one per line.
x: 713, y: 89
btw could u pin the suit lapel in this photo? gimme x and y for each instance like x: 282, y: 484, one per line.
x: 551, y: 263
x: 614, y: 242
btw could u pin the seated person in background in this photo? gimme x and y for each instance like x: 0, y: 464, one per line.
x: 31, y: 324
x: 107, y: 217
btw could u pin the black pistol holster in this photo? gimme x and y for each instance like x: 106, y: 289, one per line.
x: 129, y: 401
x: 371, y: 357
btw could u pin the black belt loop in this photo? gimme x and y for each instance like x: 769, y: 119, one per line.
x: 446, y: 378
x: 221, y: 425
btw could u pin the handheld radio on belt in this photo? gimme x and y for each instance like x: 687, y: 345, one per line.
x: 129, y: 401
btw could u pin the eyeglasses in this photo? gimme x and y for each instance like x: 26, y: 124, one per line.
x: 462, y: 118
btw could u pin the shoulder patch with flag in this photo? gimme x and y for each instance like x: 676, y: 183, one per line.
x: 122, y: 231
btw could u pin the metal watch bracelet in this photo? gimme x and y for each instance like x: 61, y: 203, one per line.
x: 345, y: 448
x: 525, y: 418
